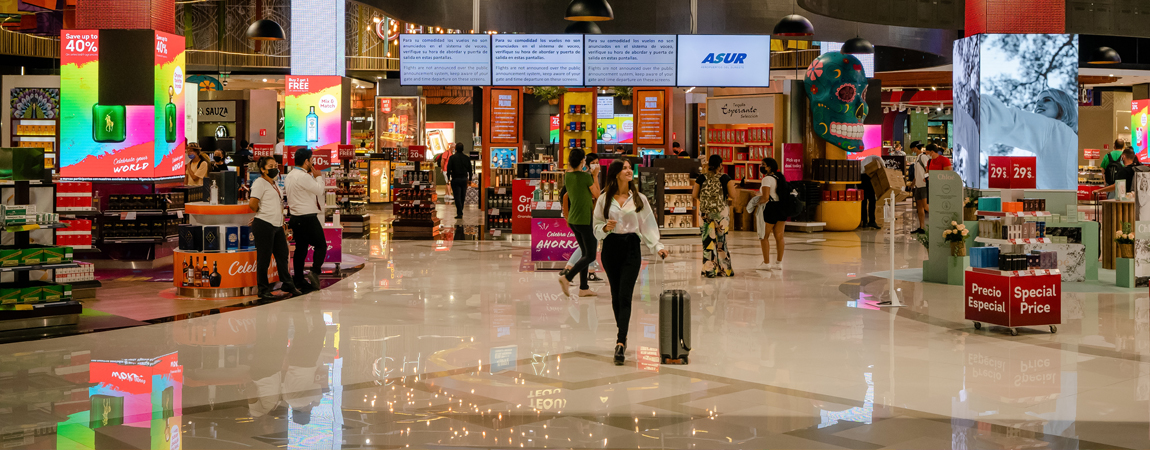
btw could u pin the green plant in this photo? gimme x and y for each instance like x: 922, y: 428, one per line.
x: 1125, y: 235
x: 623, y: 92
x: 971, y: 202
x: 548, y: 93
x: 957, y: 232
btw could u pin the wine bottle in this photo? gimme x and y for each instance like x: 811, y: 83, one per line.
x: 214, y: 279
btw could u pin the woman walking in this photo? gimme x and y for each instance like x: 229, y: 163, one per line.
x: 623, y: 218
x: 774, y: 184
x: 712, y: 191
x: 268, y: 228
x: 582, y: 190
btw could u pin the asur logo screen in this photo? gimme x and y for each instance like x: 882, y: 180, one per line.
x: 724, y: 60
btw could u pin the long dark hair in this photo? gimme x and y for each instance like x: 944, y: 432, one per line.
x: 613, y: 187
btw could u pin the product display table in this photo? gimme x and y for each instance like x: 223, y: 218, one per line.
x: 218, y: 274
x: 1114, y: 214
x: 1013, y: 298
x: 839, y: 215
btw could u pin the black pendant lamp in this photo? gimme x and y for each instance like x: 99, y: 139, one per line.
x: 857, y: 46
x: 1105, y: 55
x: 589, y: 10
x: 265, y: 30
x: 583, y: 27
x: 794, y: 25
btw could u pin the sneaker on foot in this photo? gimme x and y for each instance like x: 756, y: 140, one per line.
x: 777, y: 266
x: 918, y: 231
x: 763, y: 266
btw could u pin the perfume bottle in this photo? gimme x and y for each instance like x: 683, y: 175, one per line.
x: 170, y: 117
x: 312, y: 125
x: 108, y: 123
x: 215, y: 194
x: 214, y: 279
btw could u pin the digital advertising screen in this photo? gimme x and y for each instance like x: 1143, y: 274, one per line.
x: 616, y: 130
x: 121, y: 117
x: 445, y: 59
x: 629, y: 60
x: 724, y: 60
x: 398, y: 121
x: 537, y: 59
x: 867, y: 60
x: 1139, y: 123
x: 312, y: 112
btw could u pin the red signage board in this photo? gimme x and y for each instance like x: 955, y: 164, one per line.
x: 1013, y: 301
x: 521, y: 193
x: 346, y: 152
x: 650, y: 119
x: 505, y: 116
x: 792, y: 162
x: 259, y: 150
x: 1013, y: 172
x: 289, y: 155
x: 417, y: 153
x: 321, y: 158
x: 1091, y: 153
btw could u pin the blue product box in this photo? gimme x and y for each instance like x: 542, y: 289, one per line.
x: 247, y: 239
x: 990, y: 204
x: 232, y: 238
x: 984, y: 257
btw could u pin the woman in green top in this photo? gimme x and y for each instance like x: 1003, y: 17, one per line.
x: 582, y: 190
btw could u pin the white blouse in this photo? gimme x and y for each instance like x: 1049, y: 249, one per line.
x: 769, y: 187
x: 629, y: 221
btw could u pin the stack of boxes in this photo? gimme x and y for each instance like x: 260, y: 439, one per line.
x: 86, y: 272
x: 15, y: 257
x: 13, y: 215
x: 1011, y: 228
x: 73, y: 196
x: 34, y: 292
x: 77, y: 235
x: 848, y: 195
x: 992, y: 258
x: 216, y: 238
x: 836, y: 170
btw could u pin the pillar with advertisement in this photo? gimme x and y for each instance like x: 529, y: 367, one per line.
x: 314, y: 110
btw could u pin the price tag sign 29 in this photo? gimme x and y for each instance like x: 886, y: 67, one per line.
x: 1012, y: 172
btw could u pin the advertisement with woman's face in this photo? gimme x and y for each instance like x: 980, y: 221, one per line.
x: 1027, y: 106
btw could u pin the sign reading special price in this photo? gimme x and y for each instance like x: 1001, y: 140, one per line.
x: 505, y: 116
x: 1013, y: 301
x: 650, y: 118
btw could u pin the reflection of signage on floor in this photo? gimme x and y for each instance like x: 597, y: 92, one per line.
x: 503, y: 358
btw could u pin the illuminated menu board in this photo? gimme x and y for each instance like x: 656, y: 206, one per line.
x: 537, y: 59
x: 629, y: 60
x: 445, y: 59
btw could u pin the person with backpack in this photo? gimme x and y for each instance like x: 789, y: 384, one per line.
x: 712, y: 191
x: 775, y: 192
x: 1130, y: 166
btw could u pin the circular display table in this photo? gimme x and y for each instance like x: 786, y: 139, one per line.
x: 219, y: 274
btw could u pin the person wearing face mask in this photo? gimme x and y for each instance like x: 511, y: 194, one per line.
x: 622, y: 219
x: 305, y: 197
x: 218, y: 164
x: 583, y: 190
x: 267, y: 227
x: 197, y: 166
x: 592, y: 167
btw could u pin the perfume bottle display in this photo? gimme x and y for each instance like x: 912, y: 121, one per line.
x: 312, y: 124
x: 170, y: 117
x: 109, y: 123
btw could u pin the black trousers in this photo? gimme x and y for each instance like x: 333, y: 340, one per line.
x: 270, y: 241
x: 622, y: 259
x: 868, y: 203
x: 585, y: 236
x: 459, y: 191
x: 308, y: 232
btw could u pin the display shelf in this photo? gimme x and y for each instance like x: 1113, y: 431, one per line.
x: 34, y: 226
x: 39, y: 267
x: 1016, y: 273
x: 837, y: 182
x: 80, y: 212
x: 145, y: 212
x: 990, y: 241
x: 141, y: 240
x: 727, y: 145
x: 1014, y: 214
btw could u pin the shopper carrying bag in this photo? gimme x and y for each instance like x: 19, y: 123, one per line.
x: 623, y: 219
x: 712, y: 191
x: 268, y: 229
x: 582, y: 190
x: 775, y: 210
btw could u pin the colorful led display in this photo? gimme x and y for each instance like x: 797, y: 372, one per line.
x: 312, y: 111
x: 1139, y: 123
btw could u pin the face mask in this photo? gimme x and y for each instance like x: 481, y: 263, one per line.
x: 219, y: 158
x: 272, y: 173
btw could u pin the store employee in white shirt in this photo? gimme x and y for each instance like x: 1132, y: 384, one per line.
x: 267, y: 227
x: 305, y: 198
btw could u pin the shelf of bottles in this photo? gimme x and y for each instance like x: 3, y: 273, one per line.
x: 347, y: 195
x: 216, y: 255
x: 413, y: 204
x: 577, y: 124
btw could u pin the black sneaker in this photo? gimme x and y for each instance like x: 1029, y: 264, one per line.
x: 592, y: 277
x: 620, y: 349
x: 563, y: 272
x: 918, y: 231
x: 874, y: 225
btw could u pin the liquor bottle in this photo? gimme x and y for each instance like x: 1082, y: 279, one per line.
x: 312, y: 125
x: 184, y: 274
x: 215, y: 194
x: 204, y: 274
x: 170, y: 117
x: 193, y: 273
x: 214, y: 278
x: 108, y: 123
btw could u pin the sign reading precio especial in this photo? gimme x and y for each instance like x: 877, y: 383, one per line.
x: 629, y: 60
x: 537, y: 59
x: 445, y: 59
x: 724, y: 60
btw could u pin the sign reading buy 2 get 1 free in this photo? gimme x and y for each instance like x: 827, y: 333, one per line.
x: 1013, y: 301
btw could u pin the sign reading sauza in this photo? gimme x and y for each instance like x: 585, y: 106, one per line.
x: 223, y: 111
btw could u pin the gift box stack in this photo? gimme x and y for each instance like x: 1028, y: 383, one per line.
x: 848, y: 195
x: 1011, y: 228
x: 727, y: 153
x: 216, y: 238
x: 727, y: 136
x: 983, y: 257
x: 1034, y: 260
x: 86, y: 272
x: 836, y: 170
x: 33, y: 292
x: 32, y: 256
x: 990, y: 203
x: 77, y: 235
x: 73, y: 196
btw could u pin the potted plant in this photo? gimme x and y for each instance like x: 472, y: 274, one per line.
x: 624, y: 94
x: 550, y: 94
x: 970, y: 209
x: 1125, y: 241
x: 956, y: 236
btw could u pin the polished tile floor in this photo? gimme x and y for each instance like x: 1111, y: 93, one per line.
x: 451, y: 343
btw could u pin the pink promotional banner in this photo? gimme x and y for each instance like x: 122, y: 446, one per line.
x: 793, y: 162
x: 334, y: 238
x: 551, y: 240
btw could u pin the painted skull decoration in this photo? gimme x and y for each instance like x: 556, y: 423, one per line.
x: 836, y: 86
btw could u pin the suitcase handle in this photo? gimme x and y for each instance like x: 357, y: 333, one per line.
x: 684, y: 344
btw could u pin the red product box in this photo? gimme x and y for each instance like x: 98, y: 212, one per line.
x: 826, y: 196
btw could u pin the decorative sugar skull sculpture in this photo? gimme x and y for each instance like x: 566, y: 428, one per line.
x: 836, y: 86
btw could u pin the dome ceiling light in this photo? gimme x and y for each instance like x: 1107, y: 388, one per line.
x: 589, y: 10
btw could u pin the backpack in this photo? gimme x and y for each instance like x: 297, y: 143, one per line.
x: 792, y: 203
x: 711, y: 199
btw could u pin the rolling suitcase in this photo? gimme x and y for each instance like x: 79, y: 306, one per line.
x: 674, y: 326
